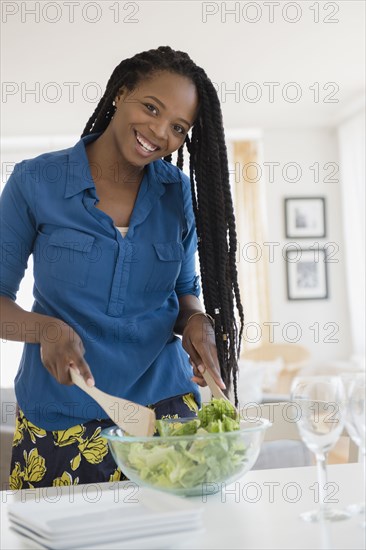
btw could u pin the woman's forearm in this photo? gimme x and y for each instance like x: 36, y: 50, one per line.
x: 188, y: 305
x: 19, y: 325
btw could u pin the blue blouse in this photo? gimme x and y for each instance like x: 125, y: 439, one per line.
x: 119, y: 294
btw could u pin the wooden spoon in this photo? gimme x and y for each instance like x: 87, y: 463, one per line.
x: 131, y: 417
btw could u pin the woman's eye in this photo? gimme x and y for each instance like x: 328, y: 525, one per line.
x: 150, y: 107
x: 179, y: 129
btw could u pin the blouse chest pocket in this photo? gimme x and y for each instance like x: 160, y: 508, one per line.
x: 70, y: 255
x: 167, y: 262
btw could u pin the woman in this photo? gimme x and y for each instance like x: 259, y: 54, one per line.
x: 113, y: 229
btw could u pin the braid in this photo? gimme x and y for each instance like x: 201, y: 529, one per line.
x: 210, y: 189
x: 180, y: 160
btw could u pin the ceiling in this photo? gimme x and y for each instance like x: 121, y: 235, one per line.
x: 321, y: 63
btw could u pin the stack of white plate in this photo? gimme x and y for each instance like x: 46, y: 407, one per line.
x: 106, y: 519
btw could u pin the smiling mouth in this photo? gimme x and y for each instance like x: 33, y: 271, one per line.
x: 145, y: 144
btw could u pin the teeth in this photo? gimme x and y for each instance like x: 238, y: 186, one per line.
x: 144, y: 144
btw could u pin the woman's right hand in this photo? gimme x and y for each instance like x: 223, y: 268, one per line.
x: 65, y: 351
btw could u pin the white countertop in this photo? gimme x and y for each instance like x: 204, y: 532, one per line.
x: 260, y: 511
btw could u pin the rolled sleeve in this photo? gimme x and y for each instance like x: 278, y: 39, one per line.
x: 17, y: 231
x: 188, y: 281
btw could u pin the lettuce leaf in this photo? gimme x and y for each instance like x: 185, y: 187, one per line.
x: 177, y: 428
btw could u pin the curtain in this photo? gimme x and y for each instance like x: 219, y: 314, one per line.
x: 351, y: 140
x: 253, y: 257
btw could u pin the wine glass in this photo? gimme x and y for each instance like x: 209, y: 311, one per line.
x: 356, y: 421
x: 321, y: 406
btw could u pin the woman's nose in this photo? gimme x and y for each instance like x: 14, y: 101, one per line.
x: 160, y: 130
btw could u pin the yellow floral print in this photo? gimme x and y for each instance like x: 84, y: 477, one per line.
x: 189, y: 400
x: 94, y: 448
x: 18, y: 435
x: 23, y: 424
x: 116, y: 476
x: 65, y: 479
x: 16, y: 478
x: 70, y: 436
x: 34, y: 470
x: 35, y: 466
x: 75, y: 462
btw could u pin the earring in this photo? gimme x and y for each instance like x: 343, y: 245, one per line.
x: 113, y: 103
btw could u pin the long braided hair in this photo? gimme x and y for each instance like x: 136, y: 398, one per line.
x: 210, y: 188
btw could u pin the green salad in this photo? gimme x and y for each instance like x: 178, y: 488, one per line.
x: 187, y: 459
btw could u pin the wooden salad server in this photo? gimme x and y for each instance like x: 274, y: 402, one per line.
x: 215, y: 390
x: 131, y: 417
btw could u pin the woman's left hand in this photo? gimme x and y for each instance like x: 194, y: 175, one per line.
x: 199, y: 342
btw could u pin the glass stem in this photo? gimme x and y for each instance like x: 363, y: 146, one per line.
x: 321, y: 461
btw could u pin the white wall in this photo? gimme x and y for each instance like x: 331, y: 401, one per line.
x: 306, y: 147
x: 351, y: 137
x: 66, y: 64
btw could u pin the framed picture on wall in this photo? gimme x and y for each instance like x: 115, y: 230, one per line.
x: 307, y: 276
x: 305, y: 217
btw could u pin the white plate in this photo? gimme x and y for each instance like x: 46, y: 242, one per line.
x: 158, y: 542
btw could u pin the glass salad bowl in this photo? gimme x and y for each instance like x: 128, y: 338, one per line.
x: 191, y: 462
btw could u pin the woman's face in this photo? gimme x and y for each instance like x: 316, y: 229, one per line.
x: 153, y: 120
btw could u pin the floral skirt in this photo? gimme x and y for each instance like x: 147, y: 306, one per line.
x: 78, y: 454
